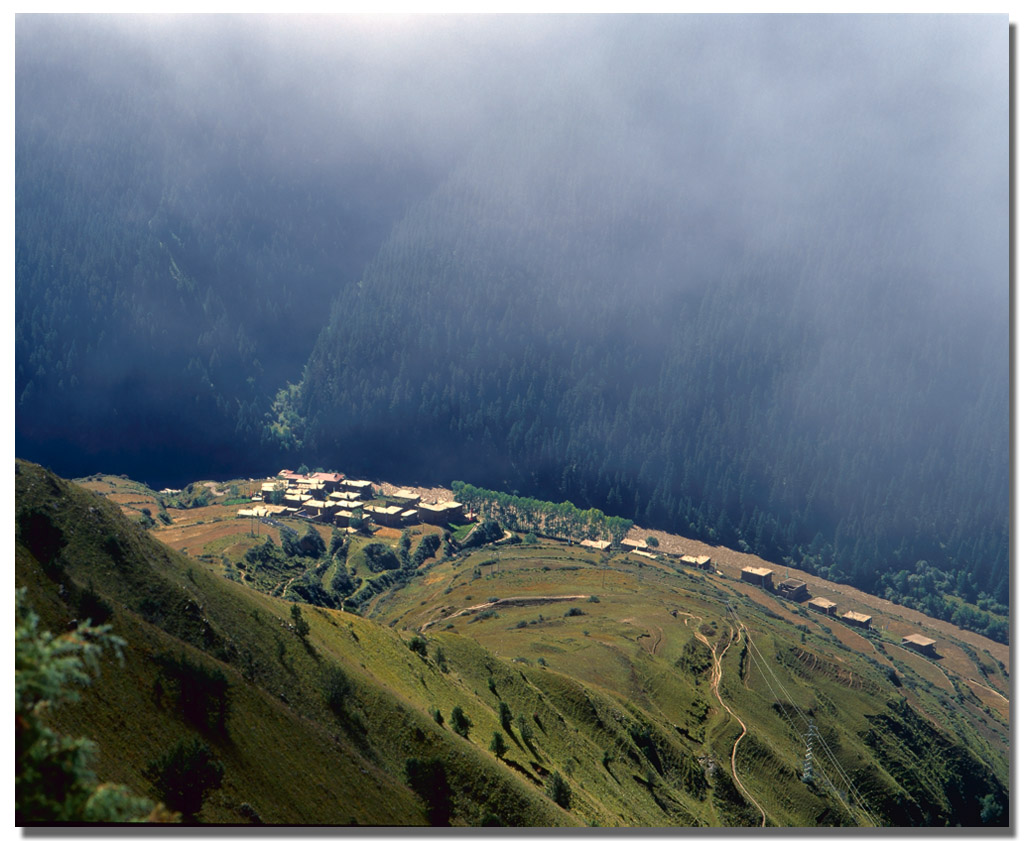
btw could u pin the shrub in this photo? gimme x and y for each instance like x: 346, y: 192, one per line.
x: 183, y: 776
x: 53, y: 781
x: 460, y: 722
x: 505, y: 714
x: 428, y: 778
x: 574, y: 611
x: 558, y: 790
x: 301, y: 625
x: 498, y: 746
x: 379, y: 557
x: 311, y: 544
x: 336, y: 689
x: 201, y: 691
x: 418, y: 645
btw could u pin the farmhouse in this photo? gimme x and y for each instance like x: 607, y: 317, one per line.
x: 861, y: 620
x: 330, y: 481
x: 293, y: 500
x: 793, y: 589
x: 920, y: 644
x: 403, y: 496
x: 317, y: 509
x: 348, y: 504
x: 822, y: 606
x: 601, y: 545
x: 761, y: 576
x: 699, y: 562
x: 385, y: 516
x: 360, y: 486
x: 311, y: 486
x: 632, y: 545
x: 343, y: 517
x: 439, y: 513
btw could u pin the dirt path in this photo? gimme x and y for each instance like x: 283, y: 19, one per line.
x: 716, y: 679
x: 511, y: 601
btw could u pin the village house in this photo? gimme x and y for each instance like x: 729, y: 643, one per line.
x: 389, y: 515
x: 822, y: 606
x: 359, y: 486
x: 351, y: 505
x: 317, y: 509
x: 761, y: 576
x: 699, y: 562
x: 330, y: 481
x: 602, y: 545
x: 293, y: 500
x: 861, y: 620
x: 313, y: 487
x: 921, y: 644
x: 631, y: 545
x: 440, y: 513
x: 405, y: 497
x: 793, y: 589
x: 343, y: 518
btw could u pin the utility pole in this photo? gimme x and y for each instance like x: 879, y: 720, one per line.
x: 812, y: 733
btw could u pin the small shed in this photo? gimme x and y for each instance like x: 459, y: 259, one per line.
x: 921, y: 644
x: 793, y: 589
x: 761, y: 576
x: 861, y: 620
x: 822, y: 606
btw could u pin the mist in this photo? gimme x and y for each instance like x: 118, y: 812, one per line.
x: 743, y: 277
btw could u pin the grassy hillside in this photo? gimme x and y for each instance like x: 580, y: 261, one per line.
x: 614, y: 685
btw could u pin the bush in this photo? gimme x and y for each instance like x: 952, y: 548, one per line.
x: 558, y: 790
x: 53, y: 782
x: 336, y: 690
x: 300, y: 623
x: 460, y: 722
x: 379, y: 557
x: 418, y: 645
x: 428, y: 778
x: 574, y: 611
x: 183, y: 776
x: 201, y: 692
x: 427, y: 549
x: 311, y: 544
x: 498, y: 746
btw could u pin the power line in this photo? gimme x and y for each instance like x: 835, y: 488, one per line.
x: 847, y: 781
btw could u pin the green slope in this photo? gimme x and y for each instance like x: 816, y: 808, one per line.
x: 590, y: 666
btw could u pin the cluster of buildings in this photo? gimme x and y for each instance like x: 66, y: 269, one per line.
x: 796, y: 590
x: 337, y: 500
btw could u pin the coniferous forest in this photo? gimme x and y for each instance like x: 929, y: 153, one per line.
x: 742, y: 279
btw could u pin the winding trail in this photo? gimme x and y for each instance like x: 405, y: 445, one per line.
x: 512, y: 601
x: 716, y: 679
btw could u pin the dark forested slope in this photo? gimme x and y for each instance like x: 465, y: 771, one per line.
x: 743, y: 278
x: 184, y: 217
x: 581, y: 312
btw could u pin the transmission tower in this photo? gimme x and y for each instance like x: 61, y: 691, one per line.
x: 811, y: 735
